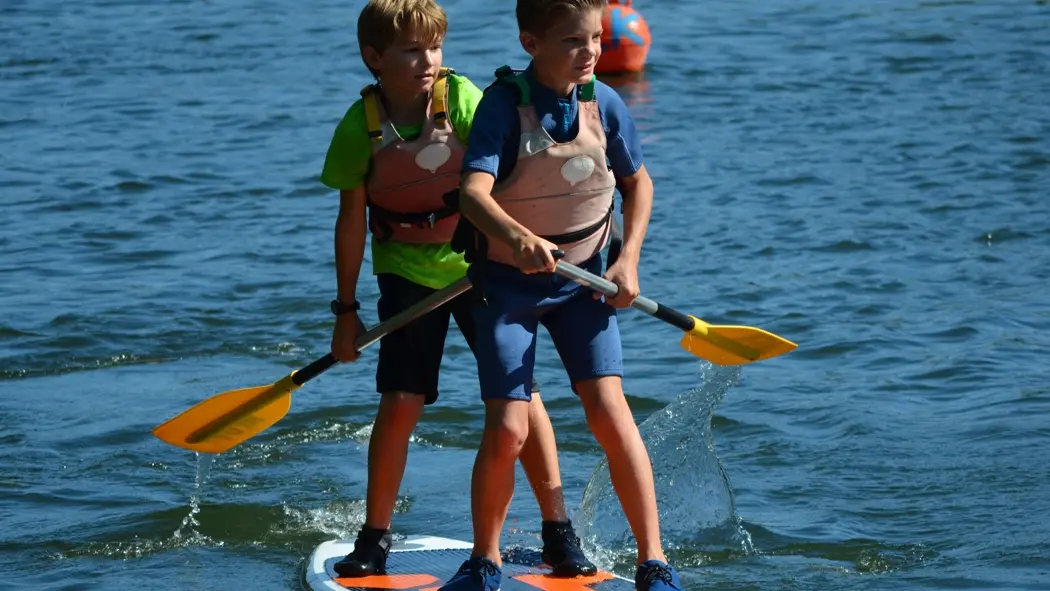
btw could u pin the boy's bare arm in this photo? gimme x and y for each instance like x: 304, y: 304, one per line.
x: 350, y: 233
x: 637, y: 191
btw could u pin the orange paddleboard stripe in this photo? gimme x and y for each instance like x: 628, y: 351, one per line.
x: 420, y: 582
x: 388, y: 581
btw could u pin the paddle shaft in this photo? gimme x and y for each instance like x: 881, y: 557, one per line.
x: 325, y: 363
x: 610, y: 289
x: 382, y: 329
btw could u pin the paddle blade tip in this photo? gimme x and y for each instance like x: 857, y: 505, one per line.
x: 734, y: 345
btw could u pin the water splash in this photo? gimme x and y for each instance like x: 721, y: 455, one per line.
x: 139, y: 547
x: 186, y: 529
x: 694, y: 497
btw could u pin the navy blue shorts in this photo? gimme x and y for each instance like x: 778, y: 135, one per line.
x: 584, y: 330
x: 410, y: 358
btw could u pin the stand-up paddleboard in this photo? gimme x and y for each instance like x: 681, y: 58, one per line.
x: 424, y: 563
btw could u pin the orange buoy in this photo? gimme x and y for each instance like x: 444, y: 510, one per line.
x: 625, y: 39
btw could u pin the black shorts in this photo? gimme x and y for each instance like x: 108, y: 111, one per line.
x: 410, y: 358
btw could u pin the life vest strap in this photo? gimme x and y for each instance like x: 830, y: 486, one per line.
x: 583, y: 233
x: 380, y: 219
x: 474, y: 244
x: 438, y: 104
x: 439, y: 96
x: 369, y: 95
x: 516, y: 78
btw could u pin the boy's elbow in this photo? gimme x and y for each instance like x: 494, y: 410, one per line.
x: 631, y: 185
x: 473, y: 189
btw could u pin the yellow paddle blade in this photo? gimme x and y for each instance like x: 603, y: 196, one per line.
x: 733, y: 345
x: 228, y: 419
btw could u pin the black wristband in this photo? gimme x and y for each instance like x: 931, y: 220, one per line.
x: 339, y: 308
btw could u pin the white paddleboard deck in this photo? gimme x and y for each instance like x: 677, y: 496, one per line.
x: 424, y: 563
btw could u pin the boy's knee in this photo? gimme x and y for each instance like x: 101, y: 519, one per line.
x: 608, y: 415
x: 509, y: 429
x: 401, y: 407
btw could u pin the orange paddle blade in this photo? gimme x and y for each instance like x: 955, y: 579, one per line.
x: 733, y: 345
x: 228, y: 419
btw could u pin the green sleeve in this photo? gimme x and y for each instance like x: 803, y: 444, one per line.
x: 347, y: 161
x: 463, y: 99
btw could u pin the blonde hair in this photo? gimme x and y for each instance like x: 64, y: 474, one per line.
x: 538, y: 16
x: 382, y: 22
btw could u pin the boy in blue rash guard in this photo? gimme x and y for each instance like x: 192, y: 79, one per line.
x: 395, y: 153
x: 547, y: 150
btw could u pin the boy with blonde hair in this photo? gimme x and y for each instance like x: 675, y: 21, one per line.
x: 396, y: 152
x: 547, y: 150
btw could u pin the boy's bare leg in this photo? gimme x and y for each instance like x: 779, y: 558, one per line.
x: 539, y: 459
x: 610, y: 419
x: 492, y: 483
x: 387, y: 454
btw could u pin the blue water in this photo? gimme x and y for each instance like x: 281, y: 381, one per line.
x: 868, y: 179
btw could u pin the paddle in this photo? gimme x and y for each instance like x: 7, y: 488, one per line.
x: 228, y: 419
x: 721, y: 345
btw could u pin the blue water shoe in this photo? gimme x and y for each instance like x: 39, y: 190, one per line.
x: 653, y: 575
x: 477, y: 574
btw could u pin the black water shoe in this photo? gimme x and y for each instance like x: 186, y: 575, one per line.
x: 562, y: 552
x: 369, y: 556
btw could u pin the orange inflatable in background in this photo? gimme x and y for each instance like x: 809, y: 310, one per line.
x: 625, y: 39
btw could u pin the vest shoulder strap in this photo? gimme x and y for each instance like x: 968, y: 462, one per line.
x: 370, y: 98
x: 586, y: 91
x: 507, y: 75
x: 439, y: 96
x: 438, y: 108
x: 516, y: 78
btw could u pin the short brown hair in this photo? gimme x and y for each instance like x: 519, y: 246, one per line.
x: 382, y: 22
x: 538, y: 16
